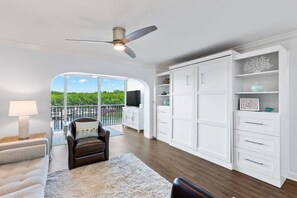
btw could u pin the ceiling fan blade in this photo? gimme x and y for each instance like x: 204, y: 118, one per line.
x: 139, y: 33
x: 89, y: 41
x: 129, y: 52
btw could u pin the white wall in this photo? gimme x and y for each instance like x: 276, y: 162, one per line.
x: 27, y: 74
x: 289, y: 42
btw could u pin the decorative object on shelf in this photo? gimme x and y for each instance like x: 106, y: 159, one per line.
x: 166, y: 81
x: 257, y: 64
x: 268, y: 109
x: 249, y: 104
x: 257, y: 87
x: 164, y: 93
x: 23, y: 109
x: 166, y: 102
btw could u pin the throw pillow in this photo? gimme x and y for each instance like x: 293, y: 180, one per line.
x: 86, y: 129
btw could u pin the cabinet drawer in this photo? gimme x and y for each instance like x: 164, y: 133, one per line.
x: 257, y: 165
x: 163, y: 112
x: 163, y: 131
x: 268, y: 145
x: 264, y: 123
x: 164, y: 123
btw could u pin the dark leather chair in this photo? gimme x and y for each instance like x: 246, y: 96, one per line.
x: 87, y: 150
x: 182, y: 188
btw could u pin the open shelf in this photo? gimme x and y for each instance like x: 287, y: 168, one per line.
x: 258, y: 111
x: 262, y: 92
x: 164, y: 95
x: 163, y: 85
x: 258, y: 74
x: 167, y: 73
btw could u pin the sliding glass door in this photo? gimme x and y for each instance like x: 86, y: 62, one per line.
x: 82, y: 97
x: 112, y: 100
x: 76, y: 96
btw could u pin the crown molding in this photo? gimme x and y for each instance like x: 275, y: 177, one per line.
x: 270, y: 40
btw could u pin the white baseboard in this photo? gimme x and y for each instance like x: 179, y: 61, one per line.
x: 204, y: 156
x: 292, y: 176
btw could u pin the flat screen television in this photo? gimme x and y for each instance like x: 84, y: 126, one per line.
x: 133, y: 98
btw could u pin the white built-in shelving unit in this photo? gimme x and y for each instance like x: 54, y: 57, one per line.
x: 261, y: 138
x: 163, y: 121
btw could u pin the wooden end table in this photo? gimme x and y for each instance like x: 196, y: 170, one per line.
x: 16, y: 138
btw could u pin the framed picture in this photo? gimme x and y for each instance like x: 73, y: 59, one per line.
x: 249, y: 104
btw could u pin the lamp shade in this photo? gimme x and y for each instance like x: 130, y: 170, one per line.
x: 22, y: 108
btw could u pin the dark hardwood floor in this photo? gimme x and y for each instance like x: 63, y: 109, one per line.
x: 170, y: 162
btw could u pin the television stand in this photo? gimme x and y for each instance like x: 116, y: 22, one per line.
x: 133, y: 117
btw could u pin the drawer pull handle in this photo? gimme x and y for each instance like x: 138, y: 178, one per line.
x: 259, y: 143
x: 257, y: 123
x: 254, y: 162
x: 163, y: 122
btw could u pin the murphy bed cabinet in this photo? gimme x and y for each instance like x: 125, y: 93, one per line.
x: 183, y: 88
x: 214, y: 110
x: 202, y: 107
x: 206, y: 119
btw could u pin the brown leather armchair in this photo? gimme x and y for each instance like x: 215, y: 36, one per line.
x: 87, y: 150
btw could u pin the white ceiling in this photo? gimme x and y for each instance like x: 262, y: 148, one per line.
x: 186, y: 28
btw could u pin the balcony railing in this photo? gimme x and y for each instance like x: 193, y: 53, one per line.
x: 110, y: 114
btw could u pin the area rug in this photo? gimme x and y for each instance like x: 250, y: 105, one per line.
x: 124, y: 176
x: 113, y: 132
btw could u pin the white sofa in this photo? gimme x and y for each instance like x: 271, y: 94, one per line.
x: 24, y: 168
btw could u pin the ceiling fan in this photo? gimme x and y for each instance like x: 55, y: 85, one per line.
x: 120, y: 40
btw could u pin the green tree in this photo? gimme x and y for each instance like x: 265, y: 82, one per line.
x: 115, y: 97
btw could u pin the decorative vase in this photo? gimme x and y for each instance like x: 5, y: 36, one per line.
x: 257, y: 87
x: 166, y: 102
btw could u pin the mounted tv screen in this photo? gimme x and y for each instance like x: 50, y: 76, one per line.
x: 133, y: 98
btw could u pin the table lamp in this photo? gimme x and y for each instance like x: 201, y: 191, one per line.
x: 23, y: 109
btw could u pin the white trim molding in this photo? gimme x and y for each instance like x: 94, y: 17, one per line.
x: 292, y: 176
x: 270, y: 40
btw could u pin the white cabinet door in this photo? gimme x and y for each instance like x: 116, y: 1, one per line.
x: 182, y: 106
x: 214, y: 110
x: 212, y: 141
x: 182, y: 79
x: 213, y: 75
x: 133, y: 117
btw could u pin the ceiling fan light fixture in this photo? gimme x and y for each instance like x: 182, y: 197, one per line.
x: 119, y: 46
x: 120, y: 39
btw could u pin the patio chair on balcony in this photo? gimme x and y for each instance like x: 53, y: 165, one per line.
x: 87, y: 150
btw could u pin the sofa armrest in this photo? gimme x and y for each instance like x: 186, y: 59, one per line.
x: 22, y: 153
x: 25, y: 143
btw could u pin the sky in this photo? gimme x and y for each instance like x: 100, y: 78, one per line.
x: 86, y: 84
